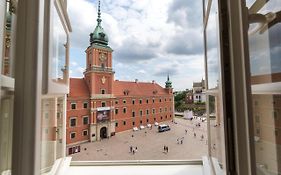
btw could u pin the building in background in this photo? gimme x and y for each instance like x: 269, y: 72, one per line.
x: 98, y: 106
x: 199, y: 94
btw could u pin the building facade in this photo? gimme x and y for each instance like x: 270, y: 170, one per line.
x: 199, y: 92
x: 98, y: 106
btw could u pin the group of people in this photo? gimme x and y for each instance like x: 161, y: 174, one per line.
x: 133, y: 149
x: 180, y: 140
x: 166, y: 149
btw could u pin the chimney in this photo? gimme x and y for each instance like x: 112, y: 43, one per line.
x: 136, y: 80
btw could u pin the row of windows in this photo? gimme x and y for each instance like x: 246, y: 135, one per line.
x: 84, y: 133
x: 74, y: 105
x: 141, y: 101
x: 141, y: 112
x: 103, y: 104
x: 141, y: 122
x: 73, y: 121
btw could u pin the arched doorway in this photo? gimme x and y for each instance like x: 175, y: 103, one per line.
x: 103, y: 133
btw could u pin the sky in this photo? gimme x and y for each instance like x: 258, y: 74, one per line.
x: 150, y: 39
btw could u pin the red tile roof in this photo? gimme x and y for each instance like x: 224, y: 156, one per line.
x: 137, y: 88
x: 78, y: 88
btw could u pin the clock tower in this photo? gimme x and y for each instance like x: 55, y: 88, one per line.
x: 99, y: 78
x: 99, y: 75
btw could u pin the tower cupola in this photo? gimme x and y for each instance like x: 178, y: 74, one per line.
x: 168, y: 83
x: 99, y: 36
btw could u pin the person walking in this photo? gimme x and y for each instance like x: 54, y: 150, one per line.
x: 131, y: 149
x: 136, y: 149
x: 186, y: 131
x: 194, y: 135
x: 167, y: 149
x: 164, y: 148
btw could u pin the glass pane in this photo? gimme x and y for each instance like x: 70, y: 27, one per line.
x: 59, y: 40
x: 7, y: 27
x: 213, y: 47
x: 52, y: 132
x: 265, y: 51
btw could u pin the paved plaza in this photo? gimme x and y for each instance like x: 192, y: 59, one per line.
x: 150, y: 144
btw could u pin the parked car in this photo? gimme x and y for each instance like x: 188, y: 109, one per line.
x: 163, y: 127
x: 141, y: 127
x: 149, y: 125
x: 156, y: 124
x: 135, y: 128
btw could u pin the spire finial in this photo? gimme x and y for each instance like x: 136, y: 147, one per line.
x: 99, y: 17
x: 168, y: 77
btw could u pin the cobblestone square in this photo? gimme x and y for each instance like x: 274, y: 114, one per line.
x: 150, y: 144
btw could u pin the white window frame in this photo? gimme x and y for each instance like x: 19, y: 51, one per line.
x: 86, y: 116
x: 84, y: 131
x: 73, y: 103
x: 72, y: 133
x: 75, y: 122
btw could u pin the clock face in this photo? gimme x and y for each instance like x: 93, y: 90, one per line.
x: 102, y: 57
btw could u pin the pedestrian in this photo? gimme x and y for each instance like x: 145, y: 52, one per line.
x: 167, y: 149
x: 164, y: 148
x: 178, y: 140
x: 185, y: 131
x: 132, y: 135
x: 145, y: 132
x: 202, y: 137
x: 194, y: 135
x: 136, y: 149
x: 182, y: 141
x: 131, y: 149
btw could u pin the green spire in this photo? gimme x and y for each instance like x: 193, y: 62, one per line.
x: 99, y: 36
x: 168, y: 82
x: 99, y: 17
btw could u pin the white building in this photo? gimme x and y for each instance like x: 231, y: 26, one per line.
x: 199, y: 94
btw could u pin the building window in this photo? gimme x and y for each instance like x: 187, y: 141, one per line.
x: 140, y: 121
x: 46, y: 115
x: 147, y: 120
x: 116, y: 102
x: 160, y: 100
x: 103, y: 91
x: 73, y: 105
x: 161, y: 118
x: 166, y: 117
x: 140, y: 101
x: 160, y: 110
x: 153, y: 111
x: 124, y: 101
x: 72, y: 135
x: 85, y: 132
x: 165, y: 109
x: 153, y: 100
x: 133, y: 102
x: 258, y: 131
x: 147, y: 101
x: 165, y: 99
x: 116, y: 124
x: 124, y: 110
x: 154, y: 119
x: 140, y: 112
x: 103, y: 104
x: 133, y: 113
x: 274, y: 113
x: 72, y: 122
x: 124, y: 122
x: 147, y: 112
x: 257, y: 118
x: 85, y: 105
x: 85, y: 120
x: 116, y: 111
x: 276, y: 132
x: 133, y: 123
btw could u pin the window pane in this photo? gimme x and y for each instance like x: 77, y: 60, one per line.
x: 265, y: 62
x: 52, y: 132
x: 7, y: 34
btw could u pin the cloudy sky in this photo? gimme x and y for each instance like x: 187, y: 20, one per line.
x: 150, y: 38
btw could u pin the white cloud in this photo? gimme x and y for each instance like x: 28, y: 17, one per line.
x: 146, y: 36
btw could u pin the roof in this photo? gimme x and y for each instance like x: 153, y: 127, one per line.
x: 78, y: 88
x: 197, y: 84
x: 137, y: 88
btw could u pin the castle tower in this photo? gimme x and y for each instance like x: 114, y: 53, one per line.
x: 168, y: 85
x: 99, y: 74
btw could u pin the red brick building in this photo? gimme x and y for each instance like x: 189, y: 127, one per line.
x: 99, y: 106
